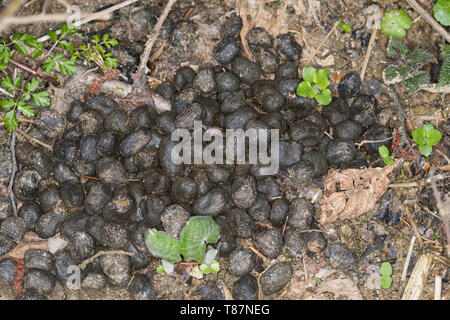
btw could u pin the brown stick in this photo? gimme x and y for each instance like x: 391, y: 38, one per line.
x: 428, y: 18
x: 101, y: 253
x: 139, y: 76
x: 39, y: 74
x: 30, y: 138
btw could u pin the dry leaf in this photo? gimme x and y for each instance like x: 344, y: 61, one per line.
x: 352, y: 192
x: 344, y: 288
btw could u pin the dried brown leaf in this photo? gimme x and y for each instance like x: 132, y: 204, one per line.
x: 352, y: 192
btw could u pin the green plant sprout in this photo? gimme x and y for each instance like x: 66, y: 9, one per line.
x: 426, y: 138
x: 26, y: 96
x: 395, y: 23
x: 198, y: 231
x: 384, y: 153
x: 213, y: 267
x: 344, y: 26
x: 442, y: 12
x: 315, y: 85
x: 386, y: 271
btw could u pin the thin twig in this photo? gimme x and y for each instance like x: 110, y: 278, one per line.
x: 368, y: 54
x: 408, y: 258
x: 428, y: 18
x: 31, y: 139
x: 35, y: 73
x: 83, y: 265
x: 360, y: 144
x: 94, y: 16
x: 3, y: 91
x: 139, y: 76
x: 51, y: 17
x: 413, y: 225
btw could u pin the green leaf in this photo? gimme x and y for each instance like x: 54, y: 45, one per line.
x: 385, y: 282
x: 325, y: 97
x: 18, y: 82
x: 105, y: 37
x: 49, y: 65
x: 308, y: 74
x: 67, y: 30
x: 10, y: 120
x: 415, y: 82
x: 26, y: 96
x: 304, y: 89
x: 41, y: 99
x: 32, y: 85
x: 433, y: 137
x: 344, y: 26
x: 196, y: 233
x: 8, y: 103
x: 442, y: 12
x: 386, y: 269
x: 321, y: 77
x: 395, y: 22
x: 162, y: 246
x: 444, y: 74
x: 52, y: 35
x: 419, y: 136
x: 428, y: 127
x: 36, y: 53
x: 67, y: 67
x: 20, y: 47
x: 67, y: 45
x: 27, y: 110
x: 214, y: 267
x: 425, y: 149
x: 383, y: 151
x: 3, y: 66
x: 388, y: 160
x: 8, y: 84
x: 160, y: 269
x: 95, y: 39
x: 5, y: 54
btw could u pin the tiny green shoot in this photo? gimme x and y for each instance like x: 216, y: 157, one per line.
x: 384, y: 153
x: 386, y: 272
x: 315, y: 85
x: 395, y: 23
x: 426, y: 137
x: 344, y: 26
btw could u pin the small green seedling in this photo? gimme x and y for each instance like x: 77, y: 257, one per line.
x: 344, y: 26
x: 395, y: 23
x: 197, y: 232
x: 315, y: 85
x: 384, y: 153
x: 213, y: 267
x: 426, y: 138
x: 160, y: 269
x: 386, y: 271
x: 442, y: 12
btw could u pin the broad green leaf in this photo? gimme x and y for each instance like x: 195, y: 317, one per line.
x: 20, y: 47
x: 395, y: 22
x: 49, y: 65
x: 385, y: 282
x: 321, y: 77
x: 52, y: 35
x: 419, y: 136
x: 428, y: 127
x: 32, y: 85
x: 325, y: 97
x: 41, y: 99
x: 442, y: 12
x: 18, y: 82
x: 386, y: 269
x: 304, y: 89
x: 196, y: 233
x: 8, y: 84
x: 7, y: 103
x: 308, y: 74
x: 67, y: 67
x: 383, y: 151
x: 162, y: 246
x: 433, y: 137
x: 27, y: 110
x: 10, y: 120
x: 425, y: 149
x: 344, y: 26
x: 388, y: 160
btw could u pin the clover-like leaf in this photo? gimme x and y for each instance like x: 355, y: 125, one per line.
x: 428, y: 127
x: 385, y: 282
x: 214, y: 267
x: 433, y: 137
x: 386, y: 269
x: 419, y: 136
x: 395, y: 22
x: 383, y: 151
x: 321, y: 78
x: 344, y: 26
x: 162, y: 246
x: 305, y: 89
x: 442, y: 12
x: 425, y: 149
x: 308, y: 74
x: 196, y: 233
x: 325, y: 97
x: 10, y: 120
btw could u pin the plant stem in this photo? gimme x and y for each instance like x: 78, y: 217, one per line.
x: 35, y: 73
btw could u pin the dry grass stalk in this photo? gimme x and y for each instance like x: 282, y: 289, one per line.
x: 414, y: 287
